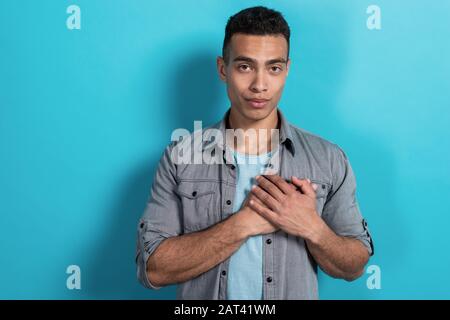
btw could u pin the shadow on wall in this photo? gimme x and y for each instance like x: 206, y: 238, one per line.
x: 193, y: 94
x: 321, y: 75
x: 197, y: 92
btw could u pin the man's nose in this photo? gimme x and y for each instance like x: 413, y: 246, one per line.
x: 259, y: 83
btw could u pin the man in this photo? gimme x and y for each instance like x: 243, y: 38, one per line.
x: 204, y: 229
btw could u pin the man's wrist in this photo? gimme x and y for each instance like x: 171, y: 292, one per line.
x: 242, y: 229
x: 318, y: 232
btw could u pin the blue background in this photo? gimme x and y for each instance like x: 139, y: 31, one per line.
x: 85, y: 115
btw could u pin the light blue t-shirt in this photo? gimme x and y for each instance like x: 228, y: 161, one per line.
x: 245, y: 274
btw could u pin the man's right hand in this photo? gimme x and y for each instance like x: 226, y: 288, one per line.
x: 252, y: 222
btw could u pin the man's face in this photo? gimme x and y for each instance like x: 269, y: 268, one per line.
x: 255, y: 73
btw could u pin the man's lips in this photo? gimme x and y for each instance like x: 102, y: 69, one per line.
x: 257, y: 103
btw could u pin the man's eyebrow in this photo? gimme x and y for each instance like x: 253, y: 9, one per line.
x: 268, y: 62
x: 277, y: 60
x: 243, y: 58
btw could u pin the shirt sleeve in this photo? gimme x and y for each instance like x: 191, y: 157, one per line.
x: 161, y: 218
x: 341, y: 210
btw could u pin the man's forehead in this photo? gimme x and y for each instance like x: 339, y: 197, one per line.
x: 258, y: 47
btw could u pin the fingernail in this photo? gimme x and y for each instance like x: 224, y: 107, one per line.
x: 314, y: 186
x: 308, y: 180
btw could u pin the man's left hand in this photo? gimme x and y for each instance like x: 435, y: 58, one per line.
x: 292, y: 209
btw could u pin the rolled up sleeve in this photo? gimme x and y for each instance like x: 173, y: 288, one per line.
x: 161, y: 218
x: 341, y: 210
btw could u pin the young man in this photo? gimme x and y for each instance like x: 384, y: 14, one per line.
x: 224, y: 230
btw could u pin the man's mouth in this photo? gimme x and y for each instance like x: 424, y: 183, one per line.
x: 257, y: 103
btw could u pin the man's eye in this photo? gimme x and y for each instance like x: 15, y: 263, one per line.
x: 244, y: 67
x: 276, y: 69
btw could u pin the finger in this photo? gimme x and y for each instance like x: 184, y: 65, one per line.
x: 265, y: 197
x: 312, y: 184
x: 279, y: 182
x: 263, y: 211
x: 270, y: 187
x: 246, y: 201
x: 250, y: 197
x: 257, y: 200
x: 305, y: 186
x: 291, y: 185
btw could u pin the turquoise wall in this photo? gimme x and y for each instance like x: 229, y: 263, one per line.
x: 85, y: 115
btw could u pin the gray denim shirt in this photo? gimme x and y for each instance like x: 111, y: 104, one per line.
x: 188, y: 198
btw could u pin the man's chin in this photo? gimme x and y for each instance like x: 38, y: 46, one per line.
x: 257, y: 114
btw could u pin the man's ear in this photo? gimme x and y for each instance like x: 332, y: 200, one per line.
x: 221, y: 69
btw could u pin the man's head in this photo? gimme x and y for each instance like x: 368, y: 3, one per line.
x: 255, y: 60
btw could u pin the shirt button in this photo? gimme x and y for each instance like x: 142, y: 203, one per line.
x: 224, y: 273
x: 269, y: 279
x: 364, y: 224
x: 142, y: 225
x: 269, y: 241
x: 233, y: 167
x: 323, y: 186
x: 228, y: 202
x: 194, y: 193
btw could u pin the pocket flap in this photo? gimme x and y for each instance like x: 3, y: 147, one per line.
x: 193, y: 190
x: 322, y: 188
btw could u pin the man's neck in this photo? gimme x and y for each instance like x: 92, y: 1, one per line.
x: 263, y: 129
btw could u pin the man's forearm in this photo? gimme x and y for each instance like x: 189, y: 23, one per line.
x: 340, y: 257
x: 184, y: 257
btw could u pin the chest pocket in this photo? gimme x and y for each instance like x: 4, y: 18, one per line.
x: 200, y: 204
x: 322, y: 191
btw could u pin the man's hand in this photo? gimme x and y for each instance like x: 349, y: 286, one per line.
x: 253, y: 223
x: 282, y: 205
x: 295, y: 213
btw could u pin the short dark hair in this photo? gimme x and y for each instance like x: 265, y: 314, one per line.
x: 255, y: 21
